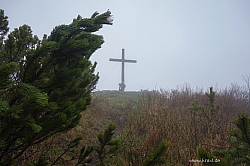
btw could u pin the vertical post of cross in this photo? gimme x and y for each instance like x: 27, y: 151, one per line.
x: 123, y: 58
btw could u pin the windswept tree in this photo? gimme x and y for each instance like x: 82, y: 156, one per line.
x: 45, y: 84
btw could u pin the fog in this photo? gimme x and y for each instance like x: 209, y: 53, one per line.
x: 199, y: 42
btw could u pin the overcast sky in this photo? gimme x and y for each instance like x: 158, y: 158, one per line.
x: 200, y: 42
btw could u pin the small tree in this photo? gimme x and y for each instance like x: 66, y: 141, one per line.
x: 107, y: 145
x: 157, y: 156
x: 239, y: 151
x: 45, y: 84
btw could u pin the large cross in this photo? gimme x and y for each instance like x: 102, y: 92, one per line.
x: 122, y: 84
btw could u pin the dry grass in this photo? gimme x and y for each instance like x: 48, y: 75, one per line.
x: 142, y: 125
x: 165, y: 115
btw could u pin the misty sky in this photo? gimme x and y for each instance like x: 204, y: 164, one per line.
x: 200, y: 42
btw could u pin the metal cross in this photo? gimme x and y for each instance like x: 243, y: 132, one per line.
x: 122, y: 84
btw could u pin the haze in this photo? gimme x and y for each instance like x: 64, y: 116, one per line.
x: 200, y: 42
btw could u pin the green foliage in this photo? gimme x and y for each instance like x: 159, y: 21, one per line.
x: 156, y: 157
x: 45, y: 84
x: 197, y: 109
x: 3, y: 28
x: 107, y: 145
x: 239, y: 151
x: 106, y: 149
x: 203, y: 118
x: 71, y: 147
x: 212, y: 104
x: 207, y: 158
x: 84, y: 156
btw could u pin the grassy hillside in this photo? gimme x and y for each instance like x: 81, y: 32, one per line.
x: 144, y: 119
x: 117, y: 96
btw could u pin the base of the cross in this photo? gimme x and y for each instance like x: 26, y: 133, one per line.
x: 122, y: 87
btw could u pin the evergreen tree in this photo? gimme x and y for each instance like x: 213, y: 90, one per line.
x: 107, y: 145
x: 3, y: 24
x: 45, y: 84
x: 239, y: 152
x: 157, y: 156
x: 3, y: 28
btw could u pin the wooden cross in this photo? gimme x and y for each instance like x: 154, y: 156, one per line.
x: 122, y: 84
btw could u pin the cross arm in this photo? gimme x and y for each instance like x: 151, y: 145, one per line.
x: 122, y: 60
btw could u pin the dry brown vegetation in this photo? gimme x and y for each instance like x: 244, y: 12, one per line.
x: 145, y: 120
